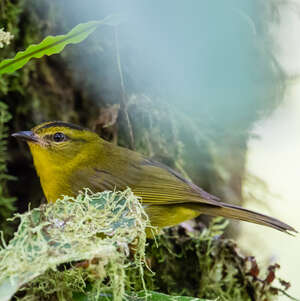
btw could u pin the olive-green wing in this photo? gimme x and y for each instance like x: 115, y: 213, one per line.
x: 154, y: 182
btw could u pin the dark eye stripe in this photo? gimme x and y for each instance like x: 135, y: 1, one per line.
x: 62, y: 124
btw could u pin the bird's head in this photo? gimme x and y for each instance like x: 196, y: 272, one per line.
x: 58, y: 143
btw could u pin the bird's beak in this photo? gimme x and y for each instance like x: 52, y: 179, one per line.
x: 27, y: 136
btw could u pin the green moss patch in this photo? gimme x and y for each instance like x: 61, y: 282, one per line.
x: 203, y: 263
x: 64, y: 247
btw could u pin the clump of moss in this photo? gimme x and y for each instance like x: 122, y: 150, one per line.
x: 76, y: 244
x: 202, y: 263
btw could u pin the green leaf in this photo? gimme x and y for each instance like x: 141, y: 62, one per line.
x: 54, y: 44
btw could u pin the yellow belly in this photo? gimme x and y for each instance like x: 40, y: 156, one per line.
x: 169, y: 215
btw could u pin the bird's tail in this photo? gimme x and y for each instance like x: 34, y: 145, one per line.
x: 239, y: 213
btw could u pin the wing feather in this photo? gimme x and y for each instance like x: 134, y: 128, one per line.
x: 154, y: 182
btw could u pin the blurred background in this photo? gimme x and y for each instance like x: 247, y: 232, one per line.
x: 274, y: 158
x: 208, y: 87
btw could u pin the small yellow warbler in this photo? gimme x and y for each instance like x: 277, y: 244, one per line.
x: 68, y: 158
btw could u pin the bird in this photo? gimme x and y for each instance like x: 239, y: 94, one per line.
x: 69, y: 157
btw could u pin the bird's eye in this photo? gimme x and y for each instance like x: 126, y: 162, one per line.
x: 58, y: 137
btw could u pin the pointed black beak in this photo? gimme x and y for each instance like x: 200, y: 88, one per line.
x: 26, y: 135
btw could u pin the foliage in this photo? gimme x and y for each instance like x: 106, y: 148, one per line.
x: 206, y: 265
x: 52, y: 45
x: 6, y: 202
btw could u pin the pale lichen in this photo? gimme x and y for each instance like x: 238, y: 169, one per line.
x: 5, y: 37
x: 87, y: 239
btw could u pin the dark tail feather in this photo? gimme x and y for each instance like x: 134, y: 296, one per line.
x: 239, y: 213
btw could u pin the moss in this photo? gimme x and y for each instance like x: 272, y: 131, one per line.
x: 76, y: 244
x: 203, y: 264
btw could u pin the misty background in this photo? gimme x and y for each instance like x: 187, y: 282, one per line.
x: 209, y: 59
